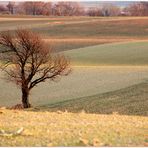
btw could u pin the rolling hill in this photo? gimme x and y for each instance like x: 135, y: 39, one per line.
x: 132, y: 100
x: 130, y: 53
x: 103, y: 102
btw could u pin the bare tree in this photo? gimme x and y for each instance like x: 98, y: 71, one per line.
x: 20, y: 8
x: 110, y: 10
x: 94, y: 12
x: 10, y: 7
x: 134, y: 9
x: 36, y: 8
x: 68, y: 9
x: 2, y: 8
x: 47, y: 9
x: 138, y: 9
x: 28, y: 61
x: 30, y: 8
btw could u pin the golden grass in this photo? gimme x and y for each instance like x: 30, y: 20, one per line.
x: 26, y: 17
x: 21, y: 17
x: 72, y: 129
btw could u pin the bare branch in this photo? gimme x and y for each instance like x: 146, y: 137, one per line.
x: 28, y: 61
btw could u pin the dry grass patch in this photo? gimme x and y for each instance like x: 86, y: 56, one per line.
x: 71, y: 129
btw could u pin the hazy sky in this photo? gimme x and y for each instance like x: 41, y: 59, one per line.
x: 72, y: 0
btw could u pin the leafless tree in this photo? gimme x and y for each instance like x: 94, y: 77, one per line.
x: 28, y: 61
x: 110, y: 10
x: 47, y: 9
x: 31, y: 8
x: 94, y: 12
x: 34, y: 8
x: 138, y: 9
x: 2, y: 8
x: 10, y: 7
x: 67, y: 9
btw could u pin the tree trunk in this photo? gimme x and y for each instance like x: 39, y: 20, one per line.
x: 25, y: 99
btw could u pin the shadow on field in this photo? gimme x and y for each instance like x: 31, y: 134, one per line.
x: 132, y: 100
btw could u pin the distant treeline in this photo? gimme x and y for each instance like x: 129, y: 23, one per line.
x: 73, y: 9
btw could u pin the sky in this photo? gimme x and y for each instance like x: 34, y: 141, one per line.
x: 74, y: 0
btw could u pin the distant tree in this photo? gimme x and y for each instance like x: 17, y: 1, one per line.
x: 28, y: 61
x: 32, y: 8
x: 134, y: 9
x: 20, y: 9
x: 94, y: 12
x: 2, y: 8
x: 47, y: 9
x: 138, y: 9
x: 110, y: 10
x: 10, y: 7
x: 68, y: 9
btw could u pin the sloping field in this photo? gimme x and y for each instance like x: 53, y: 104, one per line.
x: 66, y: 33
x: 69, y: 129
x: 14, y: 22
x: 83, y: 31
x: 130, y: 53
x: 82, y: 82
x: 132, y: 100
x: 98, y: 28
x: 75, y: 43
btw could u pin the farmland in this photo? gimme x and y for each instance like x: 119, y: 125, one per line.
x: 74, y: 32
x: 127, y: 54
x: 95, y: 80
x: 108, y: 84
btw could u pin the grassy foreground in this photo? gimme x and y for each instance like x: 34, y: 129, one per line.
x: 70, y: 129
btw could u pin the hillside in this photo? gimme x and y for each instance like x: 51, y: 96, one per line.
x: 129, y: 53
x: 65, y: 33
x: 82, y: 82
x: 132, y: 100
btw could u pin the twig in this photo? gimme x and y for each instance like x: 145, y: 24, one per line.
x: 10, y: 134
